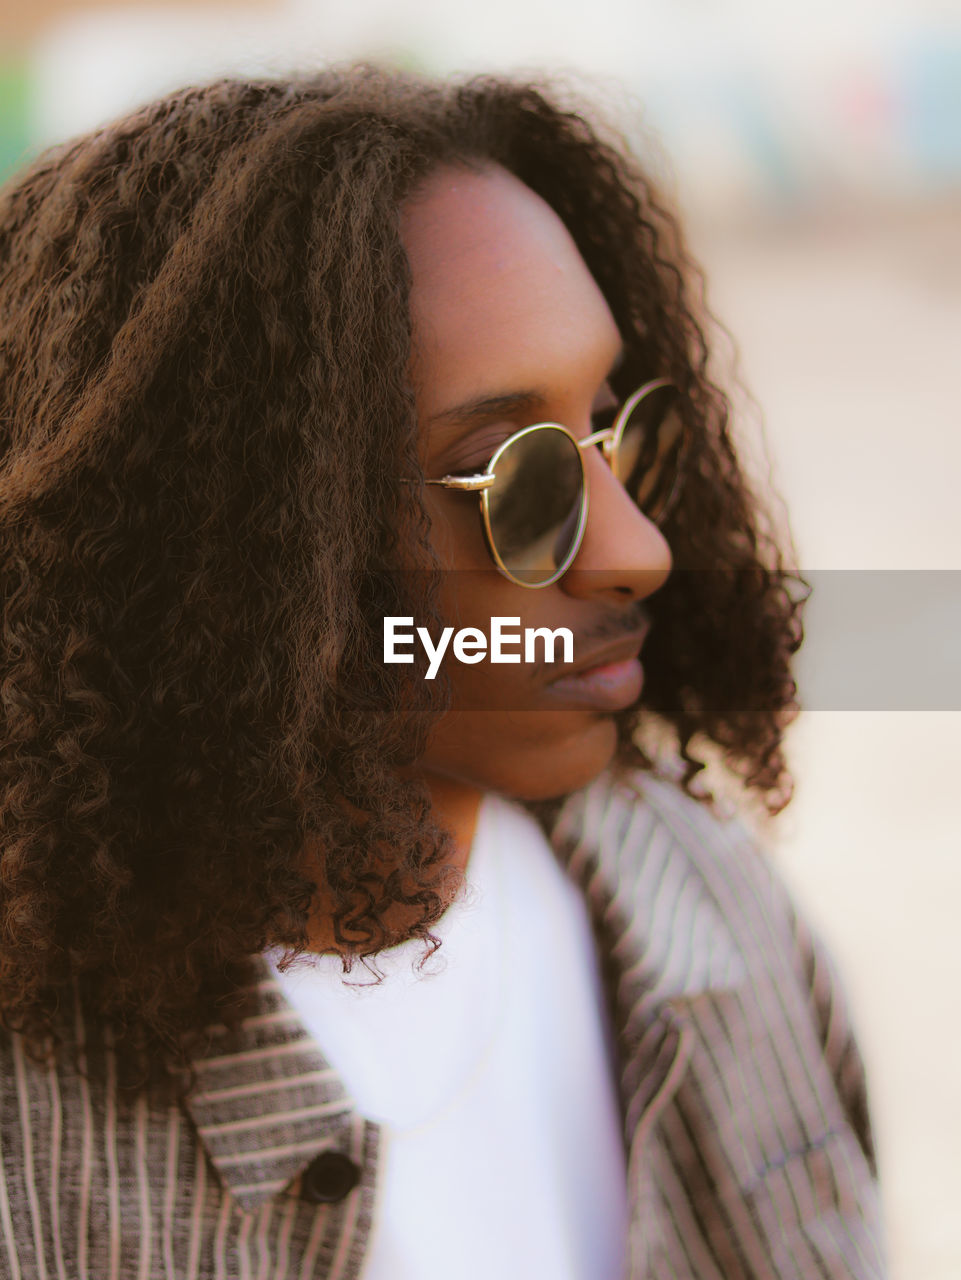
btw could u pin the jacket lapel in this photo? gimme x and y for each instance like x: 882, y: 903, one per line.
x: 670, y: 962
x: 266, y: 1102
x: 666, y: 950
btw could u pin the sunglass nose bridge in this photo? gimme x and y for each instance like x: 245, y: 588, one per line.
x: 604, y: 437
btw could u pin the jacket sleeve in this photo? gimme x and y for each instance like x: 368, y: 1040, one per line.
x: 832, y: 1019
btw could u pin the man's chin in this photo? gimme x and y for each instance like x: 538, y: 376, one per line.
x: 528, y: 765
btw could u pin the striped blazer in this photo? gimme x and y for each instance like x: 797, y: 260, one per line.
x: 745, y: 1121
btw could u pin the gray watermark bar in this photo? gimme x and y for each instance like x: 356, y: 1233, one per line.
x: 874, y: 640
x: 881, y: 640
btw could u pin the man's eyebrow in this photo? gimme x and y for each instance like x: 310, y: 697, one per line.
x: 483, y: 408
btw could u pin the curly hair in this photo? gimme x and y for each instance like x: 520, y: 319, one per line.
x: 206, y: 420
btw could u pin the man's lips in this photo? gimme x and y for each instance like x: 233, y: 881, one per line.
x: 612, y: 651
x: 608, y: 678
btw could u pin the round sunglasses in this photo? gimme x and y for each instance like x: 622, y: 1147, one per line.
x: 534, y: 493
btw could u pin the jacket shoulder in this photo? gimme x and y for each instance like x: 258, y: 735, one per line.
x: 742, y: 1082
x: 626, y: 823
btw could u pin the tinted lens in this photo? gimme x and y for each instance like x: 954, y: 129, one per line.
x: 651, y: 452
x: 535, y: 506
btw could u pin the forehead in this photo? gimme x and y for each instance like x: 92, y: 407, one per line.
x: 500, y: 296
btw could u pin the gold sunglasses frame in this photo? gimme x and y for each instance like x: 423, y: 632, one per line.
x: 609, y: 438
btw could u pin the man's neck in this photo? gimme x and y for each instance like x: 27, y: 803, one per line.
x: 456, y: 805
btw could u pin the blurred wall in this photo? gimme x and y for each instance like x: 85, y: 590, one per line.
x: 21, y: 25
x: 760, y: 106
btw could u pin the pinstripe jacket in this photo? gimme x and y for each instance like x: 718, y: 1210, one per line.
x: 745, y: 1120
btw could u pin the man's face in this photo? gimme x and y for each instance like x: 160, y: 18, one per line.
x: 505, y: 310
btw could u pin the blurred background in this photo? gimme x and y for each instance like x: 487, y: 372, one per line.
x: 816, y: 153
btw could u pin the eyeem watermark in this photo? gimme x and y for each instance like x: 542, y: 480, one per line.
x: 471, y: 645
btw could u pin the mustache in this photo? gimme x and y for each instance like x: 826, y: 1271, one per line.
x: 611, y: 625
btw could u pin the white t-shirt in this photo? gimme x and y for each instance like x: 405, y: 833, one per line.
x: 490, y: 1074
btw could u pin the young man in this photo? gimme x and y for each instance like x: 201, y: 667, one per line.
x: 297, y: 379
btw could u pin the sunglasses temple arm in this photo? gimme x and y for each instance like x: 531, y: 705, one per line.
x: 467, y: 484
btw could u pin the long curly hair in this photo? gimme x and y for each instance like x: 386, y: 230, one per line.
x: 206, y: 421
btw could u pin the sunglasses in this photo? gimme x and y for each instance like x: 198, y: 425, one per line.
x: 534, y: 494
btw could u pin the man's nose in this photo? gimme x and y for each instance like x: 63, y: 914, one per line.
x: 623, y: 556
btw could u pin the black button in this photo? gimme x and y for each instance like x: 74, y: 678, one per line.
x: 329, y: 1178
